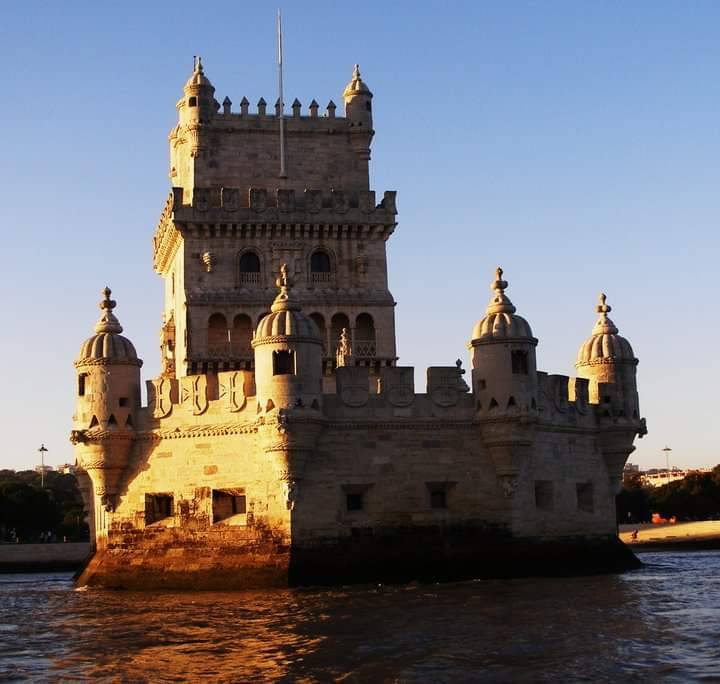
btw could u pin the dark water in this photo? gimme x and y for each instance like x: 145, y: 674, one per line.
x: 657, y: 624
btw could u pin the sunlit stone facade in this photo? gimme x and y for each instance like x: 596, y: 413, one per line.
x: 282, y: 443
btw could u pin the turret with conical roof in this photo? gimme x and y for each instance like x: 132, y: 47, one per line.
x: 503, y: 356
x: 288, y: 354
x: 504, y: 378
x: 108, y: 397
x: 358, y: 110
x: 606, y: 357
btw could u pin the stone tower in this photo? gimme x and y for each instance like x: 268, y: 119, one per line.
x: 232, y: 220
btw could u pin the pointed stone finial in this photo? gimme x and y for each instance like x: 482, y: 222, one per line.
x: 296, y: 107
x: 344, y: 351
x: 356, y: 72
x: 604, y: 325
x: 107, y: 323
x: 244, y: 106
x: 500, y: 302
x: 331, y: 109
x: 313, y: 109
x: 227, y: 104
x: 198, y: 65
x: 261, y: 105
x: 285, y: 283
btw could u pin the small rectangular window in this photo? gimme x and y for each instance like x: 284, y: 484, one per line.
x: 519, y: 362
x: 81, y: 384
x: 228, y: 502
x: 354, y: 501
x: 158, y: 507
x: 283, y: 363
x: 585, y: 500
x: 123, y: 401
x: 544, y: 495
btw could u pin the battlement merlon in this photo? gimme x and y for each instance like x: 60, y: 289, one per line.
x: 333, y: 213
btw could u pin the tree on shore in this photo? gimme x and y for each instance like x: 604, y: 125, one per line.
x: 28, y: 511
x: 695, y: 497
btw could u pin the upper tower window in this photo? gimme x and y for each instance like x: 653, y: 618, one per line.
x: 249, y: 268
x: 192, y: 102
x: 320, y: 266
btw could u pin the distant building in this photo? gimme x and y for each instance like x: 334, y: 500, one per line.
x: 657, y: 477
x: 43, y: 469
x: 282, y: 443
x: 66, y: 469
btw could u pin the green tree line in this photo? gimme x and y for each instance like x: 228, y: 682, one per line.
x: 696, y: 497
x: 28, y: 512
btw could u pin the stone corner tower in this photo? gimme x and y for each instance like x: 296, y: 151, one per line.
x: 231, y: 220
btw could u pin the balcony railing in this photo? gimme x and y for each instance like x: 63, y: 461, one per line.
x: 364, y: 349
x: 321, y: 276
x: 252, y: 277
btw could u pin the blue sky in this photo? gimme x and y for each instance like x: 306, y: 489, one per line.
x: 574, y: 143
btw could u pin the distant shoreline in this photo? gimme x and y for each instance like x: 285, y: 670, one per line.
x: 695, y: 536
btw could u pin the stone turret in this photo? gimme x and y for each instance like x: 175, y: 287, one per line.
x: 108, y: 398
x: 198, y: 103
x: 288, y: 354
x: 504, y: 376
x: 607, y: 360
x: 358, y: 111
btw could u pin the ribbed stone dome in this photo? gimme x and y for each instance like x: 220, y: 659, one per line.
x: 108, y: 344
x: 500, y: 319
x: 286, y: 319
x: 604, y: 345
x: 356, y: 86
x: 198, y: 77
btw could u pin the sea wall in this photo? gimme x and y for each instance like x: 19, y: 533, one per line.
x: 43, y: 557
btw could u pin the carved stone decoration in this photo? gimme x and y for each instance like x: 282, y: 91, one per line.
x: 230, y: 199
x: 339, y: 201
x: 398, y: 385
x: 285, y: 199
x: 208, y: 258
x: 232, y: 390
x: 313, y: 201
x: 160, y: 396
x: 193, y: 391
x: 508, y: 485
x: 258, y: 199
x: 344, y: 352
x: 353, y: 385
x: 201, y: 199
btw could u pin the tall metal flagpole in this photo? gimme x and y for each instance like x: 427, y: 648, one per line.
x: 42, y: 451
x: 282, y: 102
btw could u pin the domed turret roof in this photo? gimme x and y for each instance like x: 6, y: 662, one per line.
x: 107, y: 344
x: 356, y: 86
x: 286, y: 319
x: 605, y: 345
x: 198, y: 77
x: 500, y: 321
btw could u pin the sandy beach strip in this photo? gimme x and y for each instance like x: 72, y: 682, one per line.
x: 705, y: 534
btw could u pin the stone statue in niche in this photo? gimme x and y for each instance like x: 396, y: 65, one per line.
x: 344, y: 351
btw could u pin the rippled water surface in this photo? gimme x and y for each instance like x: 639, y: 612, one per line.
x: 659, y: 623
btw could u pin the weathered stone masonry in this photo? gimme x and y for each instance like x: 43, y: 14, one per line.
x: 282, y: 442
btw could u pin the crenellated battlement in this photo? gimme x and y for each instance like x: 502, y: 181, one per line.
x: 312, y: 117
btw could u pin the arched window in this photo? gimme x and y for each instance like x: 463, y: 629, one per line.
x: 241, y: 336
x: 364, y: 336
x: 249, y: 268
x: 320, y: 266
x: 320, y: 323
x: 218, y: 335
x: 339, y: 321
x: 283, y: 362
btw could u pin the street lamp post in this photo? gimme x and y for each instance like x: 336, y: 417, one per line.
x: 667, y: 451
x: 42, y: 451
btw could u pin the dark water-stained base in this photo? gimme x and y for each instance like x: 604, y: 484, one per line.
x: 390, y: 556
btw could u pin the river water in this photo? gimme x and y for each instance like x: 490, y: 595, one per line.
x: 657, y: 624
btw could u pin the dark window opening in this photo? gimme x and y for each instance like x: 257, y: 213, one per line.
x: 158, y: 507
x: 607, y: 399
x: 544, y: 499
x: 250, y: 263
x: 81, y: 384
x: 192, y: 102
x: 112, y: 420
x: 511, y: 402
x: 123, y: 401
x: 519, y: 362
x: 438, y: 497
x: 320, y: 262
x: 368, y: 106
x: 94, y: 422
x: 283, y: 363
x: 354, y: 501
x: 227, y: 503
x: 585, y: 497
x: 493, y: 403
x: 129, y: 422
